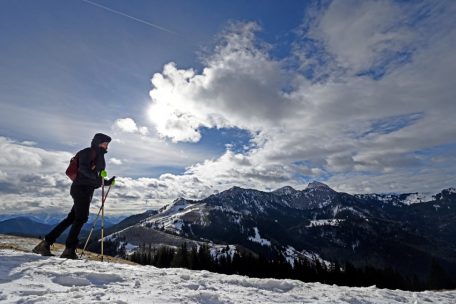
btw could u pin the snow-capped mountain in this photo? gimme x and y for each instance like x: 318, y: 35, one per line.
x: 393, y: 230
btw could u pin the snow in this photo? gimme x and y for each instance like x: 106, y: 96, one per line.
x: 395, y: 200
x: 291, y: 254
x: 176, y: 205
x: 325, y: 222
x: 416, y: 198
x: 219, y: 251
x: 177, y: 225
x: 236, y: 219
x: 170, y: 219
x: 129, y: 248
x: 335, y: 210
x: 354, y: 211
x: 257, y: 238
x: 338, y: 209
x: 312, y: 256
x: 29, y: 278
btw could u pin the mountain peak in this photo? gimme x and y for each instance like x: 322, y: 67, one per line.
x: 285, y: 190
x: 179, y: 201
x: 449, y: 192
x: 178, y: 204
x: 317, y: 185
x: 237, y: 190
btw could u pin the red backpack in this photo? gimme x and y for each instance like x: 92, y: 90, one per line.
x: 72, y: 170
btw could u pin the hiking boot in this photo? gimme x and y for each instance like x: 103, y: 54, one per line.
x: 43, y: 248
x: 69, y: 253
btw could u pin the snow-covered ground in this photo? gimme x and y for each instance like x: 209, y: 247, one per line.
x: 29, y: 278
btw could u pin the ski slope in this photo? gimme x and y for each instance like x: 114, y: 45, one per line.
x: 29, y: 278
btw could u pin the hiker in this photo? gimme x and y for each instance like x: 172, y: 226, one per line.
x: 91, y: 164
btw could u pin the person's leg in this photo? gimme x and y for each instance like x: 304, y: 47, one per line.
x: 82, y: 197
x: 44, y: 247
x: 60, y: 228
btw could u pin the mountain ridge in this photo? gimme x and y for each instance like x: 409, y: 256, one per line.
x: 336, y: 226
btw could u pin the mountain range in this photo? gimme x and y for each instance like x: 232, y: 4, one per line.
x: 404, y: 232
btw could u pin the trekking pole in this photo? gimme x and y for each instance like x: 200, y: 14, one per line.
x: 102, y: 220
x: 95, y: 222
x: 103, y: 175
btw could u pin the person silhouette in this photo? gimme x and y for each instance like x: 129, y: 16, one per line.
x: 89, y: 178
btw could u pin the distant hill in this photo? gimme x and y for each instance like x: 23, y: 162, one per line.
x: 24, y: 226
x: 32, y: 226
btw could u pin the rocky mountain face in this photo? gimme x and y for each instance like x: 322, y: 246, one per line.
x: 402, y: 231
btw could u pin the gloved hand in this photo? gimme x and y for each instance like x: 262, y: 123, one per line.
x: 110, y: 182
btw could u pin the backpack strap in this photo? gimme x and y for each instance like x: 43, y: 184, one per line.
x: 93, y: 154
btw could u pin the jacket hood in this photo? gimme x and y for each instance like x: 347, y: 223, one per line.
x: 98, y: 139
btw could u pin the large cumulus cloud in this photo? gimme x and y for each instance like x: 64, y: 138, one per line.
x: 386, y: 97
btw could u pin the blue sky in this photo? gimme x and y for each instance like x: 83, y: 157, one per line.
x: 260, y: 94
x: 70, y: 58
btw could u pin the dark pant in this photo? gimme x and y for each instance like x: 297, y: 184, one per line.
x: 79, y: 214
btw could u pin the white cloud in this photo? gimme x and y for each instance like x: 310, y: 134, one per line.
x: 240, y: 86
x: 115, y: 161
x: 29, y: 143
x: 128, y: 125
x: 360, y: 34
x: 143, y: 130
x: 18, y: 157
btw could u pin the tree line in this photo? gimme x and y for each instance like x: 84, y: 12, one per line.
x: 259, y: 266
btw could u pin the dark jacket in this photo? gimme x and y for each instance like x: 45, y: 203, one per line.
x: 91, y: 165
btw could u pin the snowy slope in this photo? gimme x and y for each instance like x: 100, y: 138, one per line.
x: 395, y: 199
x: 29, y: 278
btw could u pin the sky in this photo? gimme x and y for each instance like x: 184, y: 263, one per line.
x: 200, y: 96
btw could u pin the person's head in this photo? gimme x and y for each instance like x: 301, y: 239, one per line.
x: 101, y: 140
x: 104, y: 145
